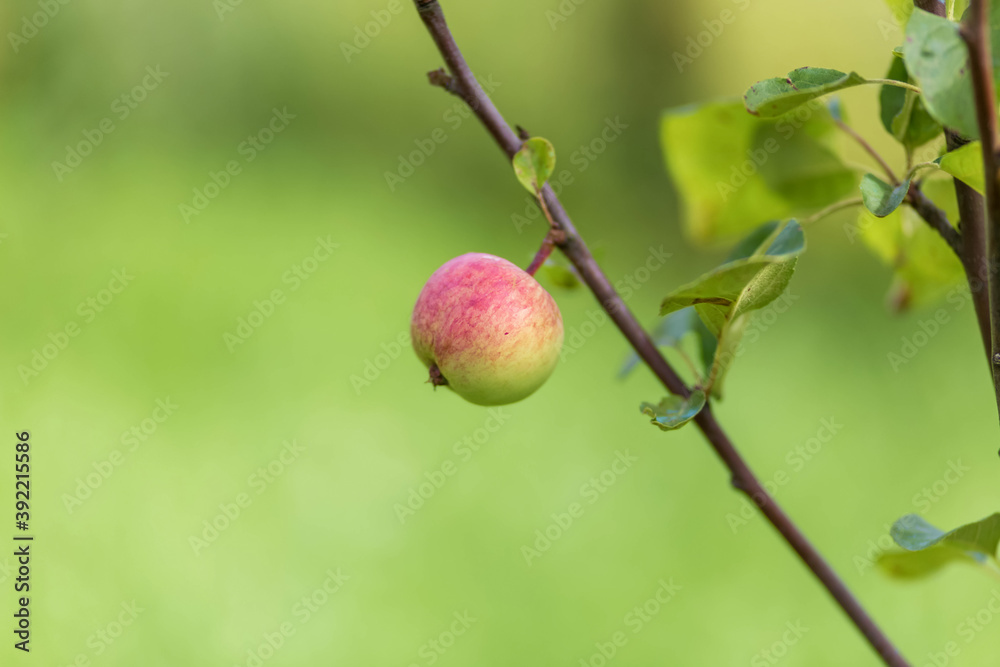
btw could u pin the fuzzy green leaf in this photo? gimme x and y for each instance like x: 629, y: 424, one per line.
x: 743, y: 285
x: 673, y: 411
x: 937, y: 58
x: 774, y: 97
x: 927, y: 548
x: 902, y: 111
x: 913, y: 533
x: 881, y: 198
x: 966, y: 164
x: 534, y: 163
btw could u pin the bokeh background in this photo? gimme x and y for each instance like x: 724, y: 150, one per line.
x: 320, y: 561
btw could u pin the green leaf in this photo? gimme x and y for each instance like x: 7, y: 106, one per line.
x: 901, y: 10
x: 927, y: 548
x: 534, y: 163
x: 723, y: 297
x: 936, y: 57
x: 733, y: 171
x: 775, y: 97
x: 924, y: 267
x: 726, y: 353
x: 881, y: 198
x: 674, y: 411
x: 902, y: 111
x: 981, y: 537
x: 741, y: 286
x: 966, y: 164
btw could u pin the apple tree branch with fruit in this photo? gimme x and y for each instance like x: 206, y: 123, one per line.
x: 488, y: 331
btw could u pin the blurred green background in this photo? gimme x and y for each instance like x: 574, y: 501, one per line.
x: 318, y: 561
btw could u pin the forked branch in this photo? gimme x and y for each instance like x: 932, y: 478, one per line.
x: 573, y: 246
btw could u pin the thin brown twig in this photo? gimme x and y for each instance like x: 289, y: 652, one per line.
x: 972, y: 226
x: 577, y: 252
x: 554, y: 237
x: 868, y: 149
x: 935, y: 217
x: 975, y: 31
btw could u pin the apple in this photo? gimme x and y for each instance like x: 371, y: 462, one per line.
x: 486, y: 329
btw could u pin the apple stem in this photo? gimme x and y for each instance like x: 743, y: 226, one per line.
x: 554, y: 237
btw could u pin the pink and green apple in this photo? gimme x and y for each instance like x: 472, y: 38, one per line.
x: 486, y: 329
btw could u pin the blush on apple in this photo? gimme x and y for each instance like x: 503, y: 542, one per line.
x: 486, y: 329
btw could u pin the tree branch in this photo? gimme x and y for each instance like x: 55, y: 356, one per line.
x: 972, y: 226
x: 976, y: 33
x: 577, y: 252
x: 936, y: 218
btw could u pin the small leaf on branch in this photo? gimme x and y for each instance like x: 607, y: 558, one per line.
x: 534, y: 163
x: 881, y: 198
x: 901, y: 10
x: 928, y: 548
x: 674, y: 411
x: 743, y: 285
x: 937, y: 58
x: 966, y: 164
x: 724, y: 297
x: 913, y: 533
x: 773, y: 97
